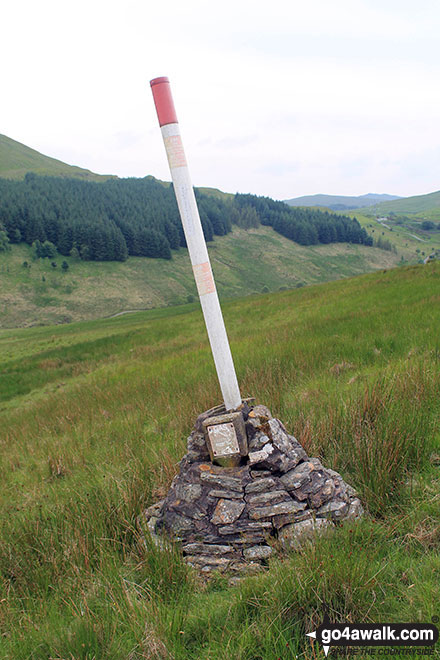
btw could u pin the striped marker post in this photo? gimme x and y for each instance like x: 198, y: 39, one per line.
x: 195, y: 240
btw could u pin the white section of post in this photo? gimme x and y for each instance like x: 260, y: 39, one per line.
x: 198, y: 253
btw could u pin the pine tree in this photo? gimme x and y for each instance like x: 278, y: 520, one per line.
x: 48, y: 250
x: 4, y: 242
x: 74, y: 253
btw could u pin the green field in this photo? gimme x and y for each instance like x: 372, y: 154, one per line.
x: 244, y: 262
x: 94, y: 418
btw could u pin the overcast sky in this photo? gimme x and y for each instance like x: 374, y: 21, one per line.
x: 279, y: 98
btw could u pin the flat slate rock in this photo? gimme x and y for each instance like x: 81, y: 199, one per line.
x: 227, y: 511
x: 263, y: 499
x: 222, y: 481
x: 274, y: 510
x: 294, y: 536
x: 262, y: 485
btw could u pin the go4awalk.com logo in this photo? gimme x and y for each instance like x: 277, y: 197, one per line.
x: 380, y: 638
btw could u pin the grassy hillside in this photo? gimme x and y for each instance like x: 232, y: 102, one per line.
x: 244, y: 262
x: 215, y: 192
x: 417, y: 204
x: 93, y: 421
x: 17, y: 159
x: 340, y: 202
x: 405, y: 233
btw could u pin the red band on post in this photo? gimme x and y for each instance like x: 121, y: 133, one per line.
x: 163, y: 101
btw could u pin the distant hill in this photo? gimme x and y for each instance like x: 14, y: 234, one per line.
x: 16, y: 160
x: 341, y: 202
x: 416, y: 204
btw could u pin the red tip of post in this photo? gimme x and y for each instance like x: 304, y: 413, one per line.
x: 163, y: 101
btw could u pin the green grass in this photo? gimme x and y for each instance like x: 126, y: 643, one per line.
x: 415, y: 204
x: 244, y: 262
x: 94, y: 418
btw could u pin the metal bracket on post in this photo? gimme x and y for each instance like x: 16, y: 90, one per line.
x: 195, y: 240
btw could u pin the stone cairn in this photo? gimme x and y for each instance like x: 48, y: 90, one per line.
x: 228, y: 516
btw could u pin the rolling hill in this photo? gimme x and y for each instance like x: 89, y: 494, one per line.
x: 16, y: 160
x: 340, y: 202
x: 244, y: 262
x: 418, y: 204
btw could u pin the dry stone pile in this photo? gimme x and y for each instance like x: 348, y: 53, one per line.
x: 229, y: 517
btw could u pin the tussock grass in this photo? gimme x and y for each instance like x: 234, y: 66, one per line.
x: 94, y: 420
x: 373, y: 438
